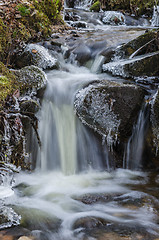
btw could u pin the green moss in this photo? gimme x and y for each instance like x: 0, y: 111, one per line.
x: 37, y: 19
x: 137, y: 7
x: 95, y: 7
x: 7, y: 83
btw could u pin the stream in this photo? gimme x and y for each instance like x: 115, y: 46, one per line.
x: 75, y: 192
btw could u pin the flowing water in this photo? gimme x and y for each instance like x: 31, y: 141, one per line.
x: 75, y: 193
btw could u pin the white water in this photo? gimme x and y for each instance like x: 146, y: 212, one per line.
x: 155, y: 17
x: 134, y: 149
x: 61, y: 133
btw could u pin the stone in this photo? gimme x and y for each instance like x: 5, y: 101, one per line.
x: 109, y: 108
x: 30, y: 77
x: 113, y: 18
x: 37, y: 55
x: 144, y: 65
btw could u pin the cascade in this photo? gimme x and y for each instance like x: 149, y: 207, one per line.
x: 134, y: 148
x: 155, y: 17
x: 66, y: 143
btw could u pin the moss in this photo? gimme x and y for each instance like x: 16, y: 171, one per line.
x: 137, y: 7
x: 95, y: 7
x: 135, y: 44
x: 7, y: 83
x: 34, y: 20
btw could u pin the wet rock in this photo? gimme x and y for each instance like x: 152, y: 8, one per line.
x: 82, y: 53
x: 144, y: 65
x: 70, y: 3
x: 129, y: 48
x: 29, y: 106
x: 78, y: 24
x: 109, y: 108
x: 113, y: 18
x: 89, y: 223
x: 37, y: 55
x: 71, y: 16
x: 31, y: 77
x: 155, y: 127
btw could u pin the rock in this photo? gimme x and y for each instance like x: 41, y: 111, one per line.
x: 70, y: 3
x: 95, y: 7
x: 113, y: 18
x: 29, y: 106
x: 109, y: 108
x: 89, y: 223
x: 82, y: 53
x: 37, y: 55
x: 155, y: 127
x: 31, y: 77
x: 78, y: 24
x: 129, y: 48
x: 138, y: 66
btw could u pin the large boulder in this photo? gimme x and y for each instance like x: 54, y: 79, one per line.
x: 37, y: 55
x: 109, y: 108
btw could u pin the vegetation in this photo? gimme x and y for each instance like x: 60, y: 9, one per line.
x: 7, y: 83
x: 136, y: 7
x: 22, y: 21
x: 95, y: 7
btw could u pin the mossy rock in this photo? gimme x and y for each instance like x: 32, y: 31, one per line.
x: 144, y: 65
x: 129, y: 48
x: 95, y: 7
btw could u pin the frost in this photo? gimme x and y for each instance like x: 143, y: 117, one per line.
x: 112, y: 17
x: 95, y: 108
x: 41, y: 56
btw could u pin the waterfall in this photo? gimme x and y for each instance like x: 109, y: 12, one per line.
x: 155, y: 17
x: 134, y: 149
x: 67, y: 145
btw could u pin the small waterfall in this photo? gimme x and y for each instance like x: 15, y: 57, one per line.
x: 155, y: 17
x: 134, y: 149
x: 67, y: 145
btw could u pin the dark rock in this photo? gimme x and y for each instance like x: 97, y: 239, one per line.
x: 78, y: 24
x: 82, y: 53
x: 144, y: 65
x: 37, y: 55
x: 109, y: 108
x: 89, y: 223
x: 108, y: 53
x: 29, y: 106
x: 70, y: 3
x: 153, y: 137
x: 129, y: 48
